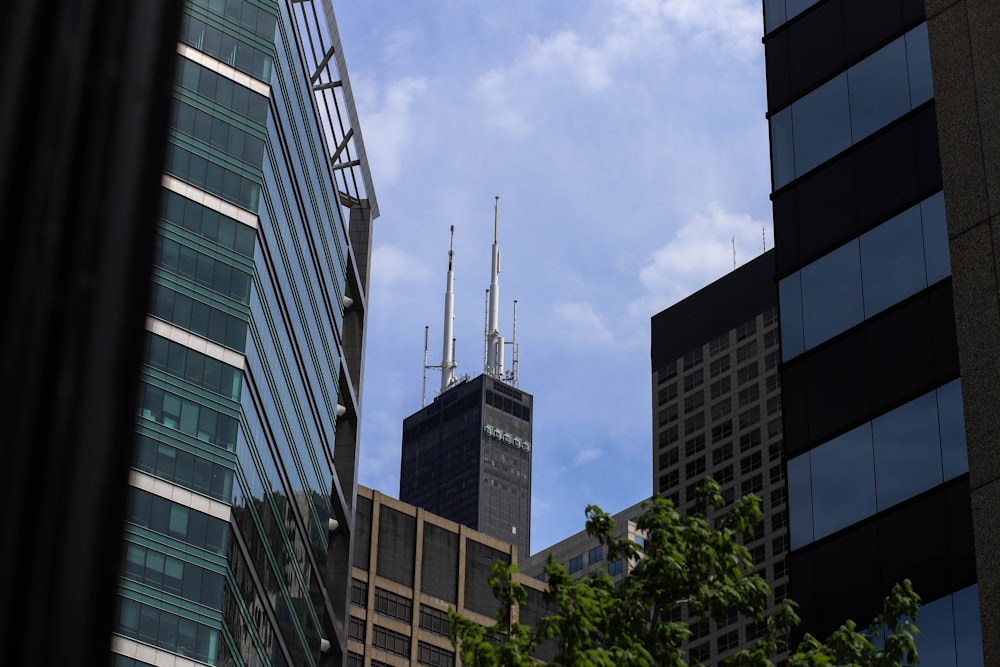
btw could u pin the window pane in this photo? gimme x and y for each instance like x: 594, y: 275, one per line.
x: 831, y: 294
x: 782, y: 152
x: 822, y: 124
x: 936, y: 642
x: 879, y: 89
x: 953, y: 448
x: 892, y: 261
x: 935, y: 238
x: 918, y: 57
x: 968, y: 633
x: 907, y: 451
x: 800, y: 501
x: 790, y: 304
x: 843, y: 481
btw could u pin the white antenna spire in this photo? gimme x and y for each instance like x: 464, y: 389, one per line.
x: 734, y: 252
x: 448, y: 345
x: 494, y: 341
x: 423, y: 391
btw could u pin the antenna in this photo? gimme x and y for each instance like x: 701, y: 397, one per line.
x: 734, y: 252
x: 494, y: 341
x: 514, y: 349
x: 763, y: 237
x: 423, y: 391
x: 448, y: 343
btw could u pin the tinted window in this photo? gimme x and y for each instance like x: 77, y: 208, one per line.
x: 907, y: 450
x: 831, y: 294
x: 822, y: 122
x: 879, y: 89
x: 892, y: 261
x: 843, y: 481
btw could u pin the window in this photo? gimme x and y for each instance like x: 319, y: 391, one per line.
x: 391, y: 604
x: 719, y: 366
x: 771, y: 338
x: 693, y: 358
x: 173, y: 575
x: 696, y: 467
x: 724, y: 475
x: 778, y: 521
x: 720, y: 387
x: 669, y: 458
x: 195, y: 367
x: 700, y: 653
x: 865, y: 276
x: 749, y: 417
x: 167, y: 630
x: 750, y: 463
x: 576, y: 563
x: 747, y: 396
x: 749, y: 440
x: 669, y: 435
x: 667, y: 371
x: 745, y: 352
x: 722, y: 431
x: 693, y: 380
x: 753, y: 485
x: 595, y: 555
x: 356, y: 629
x: 207, y: 223
x: 719, y: 344
x: 772, y: 383
x: 748, y: 328
x: 183, y: 468
x: 615, y: 567
x: 694, y: 401
x: 435, y: 620
x: 699, y: 629
x: 391, y: 641
x: 179, y: 521
x: 925, y: 437
x: 722, y: 454
x: 668, y: 393
x: 779, y: 545
x: 747, y: 373
x: 775, y: 474
x: 669, y: 480
x: 722, y: 408
x: 428, y: 654
x: 694, y: 445
x: 771, y: 360
x: 758, y: 554
x: 668, y: 414
x: 359, y: 593
x: 694, y: 423
x: 780, y: 568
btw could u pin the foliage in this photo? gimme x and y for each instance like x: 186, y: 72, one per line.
x: 690, y: 561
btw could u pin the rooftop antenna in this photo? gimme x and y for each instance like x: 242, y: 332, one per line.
x: 494, y: 341
x: 734, y: 252
x: 512, y: 374
x: 448, y: 342
x: 448, y: 365
x: 763, y: 237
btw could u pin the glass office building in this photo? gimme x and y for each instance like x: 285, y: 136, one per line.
x: 240, y: 511
x: 877, y: 463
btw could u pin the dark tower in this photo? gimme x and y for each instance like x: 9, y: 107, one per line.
x: 467, y: 455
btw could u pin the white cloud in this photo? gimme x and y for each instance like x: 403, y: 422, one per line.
x: 730, y: 27
x: 701, y: 252
x: 388, y: 122
x: 588, y: 455
x: 582, y: 324
x: 392, y: 265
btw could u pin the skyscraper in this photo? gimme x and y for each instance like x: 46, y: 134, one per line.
x: 878, y: 474
x: 717, y: 412
x: 467, y: 455
x: 240, y: 512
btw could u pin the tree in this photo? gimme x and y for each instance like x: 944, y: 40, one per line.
x: 691, y: 561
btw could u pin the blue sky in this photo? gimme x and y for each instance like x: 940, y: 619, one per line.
x: 628, y: 145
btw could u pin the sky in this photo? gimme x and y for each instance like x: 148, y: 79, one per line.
x: 627, y: 142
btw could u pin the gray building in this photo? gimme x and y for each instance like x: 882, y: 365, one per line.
x: 241, y: 495
x: 467, y: 457
x: 717, y: 412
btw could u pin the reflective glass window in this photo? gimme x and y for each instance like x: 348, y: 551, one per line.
x: 790, y: 303
x: 918, y: 57
x: 954, y: 456
x: 892, y: 261
x: 907, y: 450
x: 879, y: 89
x: 935, y: 230
x: 782, y: 148
x: 800, y: 501
x: 831, y: 294
x: 822, y: 123
x: 843, y: 481
x: 936, y: 642
x: 968, y: 631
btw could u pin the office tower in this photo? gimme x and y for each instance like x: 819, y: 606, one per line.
x: 410, y: 568
x: 240, y: 511
x: 717, y: 412
x: 878, y: 476
x: 467, y: 455
x: 583, y: 556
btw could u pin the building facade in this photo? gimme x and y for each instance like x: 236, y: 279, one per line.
x: 240, y: 514
x: 877, y: 468
x: 410, y: 567
x: 717, y: 412
x: 467, y: 457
